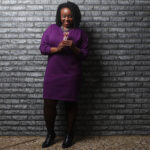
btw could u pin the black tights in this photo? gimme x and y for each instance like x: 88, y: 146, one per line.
x: 50, y: 113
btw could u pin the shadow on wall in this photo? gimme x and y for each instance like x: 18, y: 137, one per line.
x: 88, y: 115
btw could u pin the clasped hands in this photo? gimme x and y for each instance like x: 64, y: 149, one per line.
x: 64, y: 43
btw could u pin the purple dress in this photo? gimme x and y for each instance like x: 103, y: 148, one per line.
x: 62, y: 79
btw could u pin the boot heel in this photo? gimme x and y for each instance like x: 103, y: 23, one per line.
x: 49, y: 140
x: 68, y: 141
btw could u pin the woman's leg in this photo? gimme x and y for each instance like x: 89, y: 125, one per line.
x: 50, y: 114
x: 71, y: 114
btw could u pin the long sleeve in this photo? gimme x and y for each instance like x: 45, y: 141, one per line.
x: 83, y: 46
x: 45, y: 46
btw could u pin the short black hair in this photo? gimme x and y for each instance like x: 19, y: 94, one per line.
x: 75, y: 11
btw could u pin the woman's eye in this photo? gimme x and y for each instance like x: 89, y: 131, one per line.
x: 68, y: 16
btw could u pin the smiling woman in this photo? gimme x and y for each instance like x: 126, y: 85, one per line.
x: 66, y: 18
x: 66, y: 46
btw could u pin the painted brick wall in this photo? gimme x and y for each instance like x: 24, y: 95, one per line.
x: 115, y: 94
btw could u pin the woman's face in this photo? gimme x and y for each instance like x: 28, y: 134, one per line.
x: 66, y: 17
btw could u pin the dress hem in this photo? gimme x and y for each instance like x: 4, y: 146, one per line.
x: 61, y: 99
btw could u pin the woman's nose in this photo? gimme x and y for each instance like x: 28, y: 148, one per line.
x: 66, y: 18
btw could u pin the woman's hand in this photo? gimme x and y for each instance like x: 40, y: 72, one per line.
x: 60, y: 46
x: 64, y: 43
x: 68, y: 43
x: 72, y: 46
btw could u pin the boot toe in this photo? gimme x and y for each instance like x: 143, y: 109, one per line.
x: 49, y: 141
x: 68, y: 141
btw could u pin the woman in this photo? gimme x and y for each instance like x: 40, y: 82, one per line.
x: 66, y: 46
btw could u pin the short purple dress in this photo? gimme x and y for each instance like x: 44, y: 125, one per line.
x: 62, y: 79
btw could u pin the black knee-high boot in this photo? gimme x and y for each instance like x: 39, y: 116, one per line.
x: 49, y: 116
x: 71, y: 114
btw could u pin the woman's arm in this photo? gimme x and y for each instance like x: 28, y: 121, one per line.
x: 45, y: 47
x: 82, y: 50
x: 83, y: 46
x: 53, y: 50
x: 75, y: 49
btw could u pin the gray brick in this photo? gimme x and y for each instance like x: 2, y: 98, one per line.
x: 126, y: 7
x: 109, y: 13
x: 101, y: 7
x: 59, y: 2
x: 145, y: 7
x: 34, y: 7
x: 35, y: 19
x: 5, y: 14
x: 19, y: 7
x: 3, y: 7
x: 26, y: 2
x: 26, y: 13
x: 117, y: 19
x: 51, y: 7
x: 109, y: 2
x: 9, y: 2
x: 43, y: 1
x: 126, y: 13
x: 116, y: 29
x: 142, y: 2
x: 92, y: 2
x: 92, y: 13
x: 115, y: 87
x: 100, y: 18
x: 126, y: 2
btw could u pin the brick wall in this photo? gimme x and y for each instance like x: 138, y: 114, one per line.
x: 115, y: 94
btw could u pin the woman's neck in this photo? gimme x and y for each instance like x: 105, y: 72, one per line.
x: 65, y: 29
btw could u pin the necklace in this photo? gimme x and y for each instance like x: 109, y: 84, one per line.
x: 65, y: 30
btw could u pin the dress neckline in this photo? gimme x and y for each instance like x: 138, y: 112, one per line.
x: 68, y: 30
x: 65, y: 30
